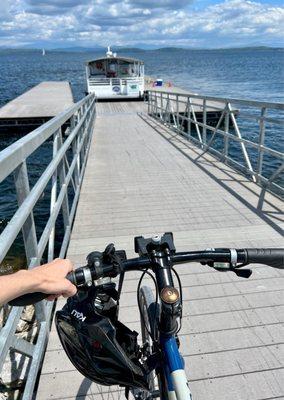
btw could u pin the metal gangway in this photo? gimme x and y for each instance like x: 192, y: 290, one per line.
x: 167, y: 122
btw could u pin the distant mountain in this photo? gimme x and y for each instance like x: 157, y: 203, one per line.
x: 137, y: 47
x: 78, y: 49
x: 122, y: 48
x: 98, y: 48
x: 172, y: 49
x: 249, y: 48
x: 126, y: 49
x: 19, y: 49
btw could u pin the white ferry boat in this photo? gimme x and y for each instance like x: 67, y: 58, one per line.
x: 115, y: 77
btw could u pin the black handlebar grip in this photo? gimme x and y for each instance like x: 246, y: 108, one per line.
x: 27, y: 299
x: 32, y: 298
x: 272, y: 257
x: 71, y: 277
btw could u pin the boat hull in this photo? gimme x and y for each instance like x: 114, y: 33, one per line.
x: 116, y: 88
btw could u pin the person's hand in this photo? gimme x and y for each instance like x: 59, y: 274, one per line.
x: 51, y: 279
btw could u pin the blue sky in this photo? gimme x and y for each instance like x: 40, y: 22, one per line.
x: 188, y: 23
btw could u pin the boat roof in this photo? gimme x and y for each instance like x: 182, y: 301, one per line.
x: 126, y: 59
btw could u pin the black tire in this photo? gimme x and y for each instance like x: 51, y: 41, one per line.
x: 150, y: 317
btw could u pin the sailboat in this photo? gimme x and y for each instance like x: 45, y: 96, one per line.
x: 43, y: 52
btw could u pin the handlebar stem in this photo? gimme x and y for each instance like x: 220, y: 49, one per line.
x: 170, y: 306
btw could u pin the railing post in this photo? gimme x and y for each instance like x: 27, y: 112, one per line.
x: 79, y: 114
x: 204, y: 119
x: 226, y: 137
x: 161, y: 110
x: 62, y: 182
x: 188, y: 118
x: 177, y: 111
x: 156, y: 104
x: 29, y: 231
x: 261, y: 142
x: 53, y: 199
x: 74, y: 152
x: 168, y: 116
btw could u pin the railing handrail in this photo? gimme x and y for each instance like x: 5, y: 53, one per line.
x: 256, y: 103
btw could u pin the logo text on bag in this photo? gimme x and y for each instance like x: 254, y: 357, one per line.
x: 78, y: 315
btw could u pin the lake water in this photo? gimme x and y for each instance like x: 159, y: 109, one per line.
x: 250, y: 74
x: 254, y: 74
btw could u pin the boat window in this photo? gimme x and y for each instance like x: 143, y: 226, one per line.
x: 111, y: 69
x: 115, y: 68
x: 125, y: 69
x: 97, y: 68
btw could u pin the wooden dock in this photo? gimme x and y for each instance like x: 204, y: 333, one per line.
x: 141, y: 178
x: 36, y: 106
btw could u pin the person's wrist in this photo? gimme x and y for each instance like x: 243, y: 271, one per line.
x: 31, y: 281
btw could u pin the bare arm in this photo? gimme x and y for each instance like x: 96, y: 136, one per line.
x: 48, y: 278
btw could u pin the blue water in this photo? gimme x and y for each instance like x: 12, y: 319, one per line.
x: 250, y: 74
x: 254, y: 74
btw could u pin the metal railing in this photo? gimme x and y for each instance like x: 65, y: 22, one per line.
x: 211, y: 123
x: 63, y: 174
x: 114, y: 81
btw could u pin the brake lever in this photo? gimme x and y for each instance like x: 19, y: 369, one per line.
x: 243, y: 273
x: 115, y: 258
x: 108, y: 253
x: 228, y: 267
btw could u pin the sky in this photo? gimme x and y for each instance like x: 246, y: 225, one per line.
x: 160, y: 23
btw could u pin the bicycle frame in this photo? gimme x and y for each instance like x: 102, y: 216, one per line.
x: 177, y: 386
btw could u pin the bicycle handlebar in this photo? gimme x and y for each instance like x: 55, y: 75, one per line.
x: 225, y: 260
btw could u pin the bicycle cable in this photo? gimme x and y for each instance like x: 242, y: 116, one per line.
x: 181, y: 298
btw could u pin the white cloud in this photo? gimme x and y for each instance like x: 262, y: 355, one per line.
x: 240, y: 17
x: 161, y: 22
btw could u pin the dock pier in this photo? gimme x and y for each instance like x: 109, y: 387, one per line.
x: 136, y: 171
x: 35, y: 107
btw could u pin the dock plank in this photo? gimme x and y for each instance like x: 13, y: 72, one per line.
x: 143, y: 179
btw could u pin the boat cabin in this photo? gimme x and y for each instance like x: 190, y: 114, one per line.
x: 112, y: 77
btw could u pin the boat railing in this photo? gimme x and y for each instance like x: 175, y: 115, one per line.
x: 113, y: 81
x: 238, y: 135
x: 68, y: 136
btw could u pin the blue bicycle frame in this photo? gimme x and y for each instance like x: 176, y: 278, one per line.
x: 177, y: 384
